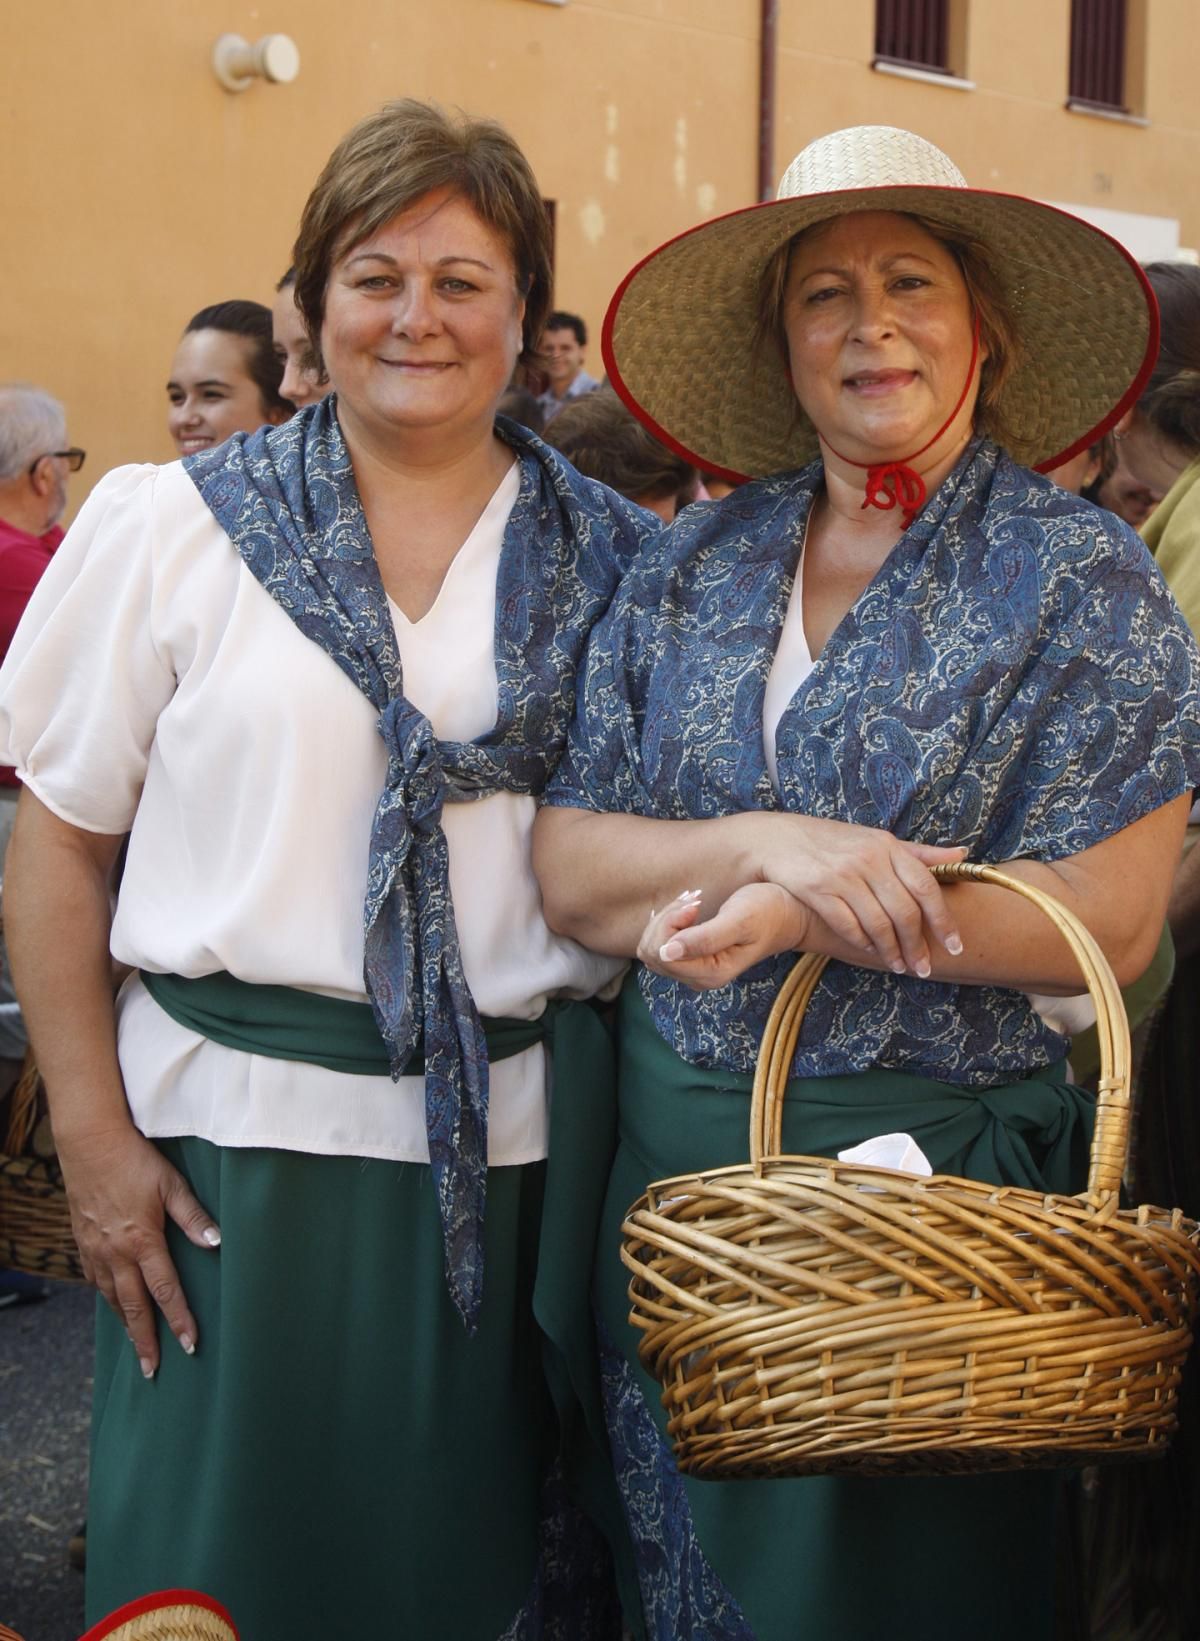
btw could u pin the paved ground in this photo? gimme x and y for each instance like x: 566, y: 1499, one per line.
x: 45, y: 1391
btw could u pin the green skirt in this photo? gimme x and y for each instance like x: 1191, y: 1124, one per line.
x: 339, y: 1458
x: 827, y: 1558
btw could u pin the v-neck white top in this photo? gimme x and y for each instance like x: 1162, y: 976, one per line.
x: 153, y: 686
x: 792, y: 664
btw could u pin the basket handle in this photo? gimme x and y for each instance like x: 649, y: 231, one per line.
x: 1111, y: 1138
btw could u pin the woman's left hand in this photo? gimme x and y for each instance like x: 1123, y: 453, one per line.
x: 756, y: 922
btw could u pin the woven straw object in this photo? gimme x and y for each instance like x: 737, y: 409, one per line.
x: 35, y: 1219
x: 807, y: 1316
x: 680, y: 334
x: 169, y: 1615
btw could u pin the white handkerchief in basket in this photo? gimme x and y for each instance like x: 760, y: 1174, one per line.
x: 898, y: 1151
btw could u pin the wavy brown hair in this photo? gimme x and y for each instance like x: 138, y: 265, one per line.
x: 395, y: 157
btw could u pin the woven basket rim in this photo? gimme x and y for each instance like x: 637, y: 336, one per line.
x: 909, y: 1187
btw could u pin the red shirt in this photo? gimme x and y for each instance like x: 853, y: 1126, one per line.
x: 23, y: 559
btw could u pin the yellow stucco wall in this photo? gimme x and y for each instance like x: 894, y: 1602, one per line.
x: 136, y: 190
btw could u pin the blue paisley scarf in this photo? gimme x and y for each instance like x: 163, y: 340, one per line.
x: 287, y: 499
x: 1016, y: 678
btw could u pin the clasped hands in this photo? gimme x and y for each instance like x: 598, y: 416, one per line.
x: 852, y: 891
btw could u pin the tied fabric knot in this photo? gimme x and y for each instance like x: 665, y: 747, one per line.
x: 893, y: 484
x: 418, y: 990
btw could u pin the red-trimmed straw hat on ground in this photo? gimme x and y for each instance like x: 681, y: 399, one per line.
x: 680, y: 333
x: 167, y: 1615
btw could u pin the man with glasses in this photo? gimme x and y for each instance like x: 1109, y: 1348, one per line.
x: 35, y: 461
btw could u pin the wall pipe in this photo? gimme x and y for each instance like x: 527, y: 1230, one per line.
x: 767, y: 35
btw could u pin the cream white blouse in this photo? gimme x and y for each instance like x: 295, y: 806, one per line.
x: 154, y: 687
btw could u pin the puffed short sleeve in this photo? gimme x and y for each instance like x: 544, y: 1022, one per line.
x: 84, y: 683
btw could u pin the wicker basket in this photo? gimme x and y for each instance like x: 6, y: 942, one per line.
x: 35, y: 1221
x: 807, y: 1316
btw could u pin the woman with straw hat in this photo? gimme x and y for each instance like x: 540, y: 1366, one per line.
x: 898, y: 646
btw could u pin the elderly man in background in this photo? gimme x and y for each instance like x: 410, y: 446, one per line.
x: 561, y: 354
x: 35, y: 461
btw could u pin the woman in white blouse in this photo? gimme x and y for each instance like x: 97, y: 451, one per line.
x: 318, y: 1388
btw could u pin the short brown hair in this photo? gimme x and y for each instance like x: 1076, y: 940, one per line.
x: 1171, y: 398
x: 605, y: 441
x: 394, y: 158
x: 997, y: 326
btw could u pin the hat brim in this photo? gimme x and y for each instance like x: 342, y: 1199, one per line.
x: 679, y: 338
x: 181, y: 1613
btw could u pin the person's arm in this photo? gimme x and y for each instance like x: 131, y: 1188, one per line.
x: 804, y: 898
x: 56, y: 919
x: 603, y: 875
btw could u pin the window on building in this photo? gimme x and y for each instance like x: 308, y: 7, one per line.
x: 922, y: 34
x: 1108, y: 52
x: 1099, y: 30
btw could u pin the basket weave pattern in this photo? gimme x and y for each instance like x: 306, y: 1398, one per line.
x: 807, y: 1316
x: 174, y: 1624
x: 35, y: 1219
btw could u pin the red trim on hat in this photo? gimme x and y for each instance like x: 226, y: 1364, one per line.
x: 617, y: 382
x: 1128, y: 399
x: 155, y: 1603
x: 1145, y: 370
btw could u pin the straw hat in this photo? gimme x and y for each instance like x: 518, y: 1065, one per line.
x: 168, y: 1615
x: 679, y: 336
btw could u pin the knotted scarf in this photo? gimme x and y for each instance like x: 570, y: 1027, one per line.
x: 287, y: 500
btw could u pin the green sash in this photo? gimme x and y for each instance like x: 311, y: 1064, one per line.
x: 285, y: 1023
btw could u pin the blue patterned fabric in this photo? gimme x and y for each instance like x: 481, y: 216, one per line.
x: 287, y: 499
x: 681, y: 1593
x: 1016, y: 678
x: 573, y: 1596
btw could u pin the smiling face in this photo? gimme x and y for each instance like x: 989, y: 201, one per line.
x: 879, y: 332
x: 301, y: 384
x: 562, y: 356
x: 423, y: 323
x: 211, y: 393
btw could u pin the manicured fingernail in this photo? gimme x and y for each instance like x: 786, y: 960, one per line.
x: 898, y: 967
x: 923, y: 970
x: 670, y: 951
x: 954, y: 945
x: 691, y: 894
x: 188, y: 1343
x: 212, y: 1236
x: 147, y: 1367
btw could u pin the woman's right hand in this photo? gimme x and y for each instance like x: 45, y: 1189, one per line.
x: 870, y: 889
x: 121, y: 1189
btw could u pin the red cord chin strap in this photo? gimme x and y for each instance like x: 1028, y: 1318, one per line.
x: 897, y: 484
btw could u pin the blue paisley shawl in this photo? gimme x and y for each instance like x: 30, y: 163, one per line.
x: 1016, y: 678
x: 287, y: 499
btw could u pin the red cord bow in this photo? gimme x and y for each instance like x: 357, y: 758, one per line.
x: 907, y: 490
